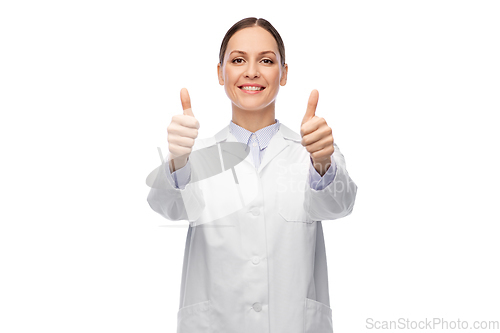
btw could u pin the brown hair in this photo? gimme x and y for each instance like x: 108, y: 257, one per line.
x: 252, y: 22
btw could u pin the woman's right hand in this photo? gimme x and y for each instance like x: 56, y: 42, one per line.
x: 182, y: 132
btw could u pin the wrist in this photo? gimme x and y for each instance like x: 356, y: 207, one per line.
x: 177, y: 163
x: 322, y: 166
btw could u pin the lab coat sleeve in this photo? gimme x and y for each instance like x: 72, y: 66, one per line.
x: 318, y: 182
x: 173, y: 203
x: 336, y: 200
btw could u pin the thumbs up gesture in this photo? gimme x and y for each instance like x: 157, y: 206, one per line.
x: 317, y: 136
x: 182, y: 132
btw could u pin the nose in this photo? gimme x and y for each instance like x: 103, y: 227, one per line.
x: 252, y: 71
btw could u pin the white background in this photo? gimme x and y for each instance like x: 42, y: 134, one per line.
x: 88, y: 88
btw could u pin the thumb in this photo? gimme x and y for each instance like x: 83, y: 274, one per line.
x: 311, y: 106
x: 186, y: 103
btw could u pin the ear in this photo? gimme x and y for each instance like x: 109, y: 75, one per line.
x: 284, y: 75
x: 219, y: 74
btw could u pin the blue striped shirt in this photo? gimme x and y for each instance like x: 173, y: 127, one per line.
x: 258, y: 143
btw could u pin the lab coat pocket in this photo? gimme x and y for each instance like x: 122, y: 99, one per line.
x: 317, y: 317
x: 195, y: 318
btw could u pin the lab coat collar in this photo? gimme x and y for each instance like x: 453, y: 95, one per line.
x: 279, y: 141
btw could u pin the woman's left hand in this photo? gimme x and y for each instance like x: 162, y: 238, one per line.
x: 317, y: 136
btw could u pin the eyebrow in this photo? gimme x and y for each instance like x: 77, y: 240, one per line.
x: 242, y: 52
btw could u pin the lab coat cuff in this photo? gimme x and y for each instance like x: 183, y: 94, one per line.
x: 175, y: 203
x: 335, y: 200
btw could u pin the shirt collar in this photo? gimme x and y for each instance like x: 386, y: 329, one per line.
x: 263, y: 135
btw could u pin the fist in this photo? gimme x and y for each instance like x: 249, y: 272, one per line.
x: 317, y: 136
x: 182, y: 132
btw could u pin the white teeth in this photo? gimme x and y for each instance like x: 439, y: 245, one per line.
x: 251, y: 88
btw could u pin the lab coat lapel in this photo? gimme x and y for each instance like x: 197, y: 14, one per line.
x: 278, y: 143
x: 275, y: 146
x: 225, y: 135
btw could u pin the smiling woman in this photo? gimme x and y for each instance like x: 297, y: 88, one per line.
x: 251, y: 69
x: 257, y: 264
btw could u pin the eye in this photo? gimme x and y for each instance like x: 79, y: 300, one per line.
x: 270, y: 61
x: 235, y: 60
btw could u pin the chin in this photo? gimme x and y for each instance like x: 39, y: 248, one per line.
x: 251, y: 107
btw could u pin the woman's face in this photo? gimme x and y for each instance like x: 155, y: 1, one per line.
x: 245, y: 63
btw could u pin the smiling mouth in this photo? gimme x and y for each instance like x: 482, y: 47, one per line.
x: 249, y: 88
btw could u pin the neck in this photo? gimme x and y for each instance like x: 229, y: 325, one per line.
x: 254, y: 120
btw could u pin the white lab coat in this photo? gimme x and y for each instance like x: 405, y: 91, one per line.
x: 256, y: 263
